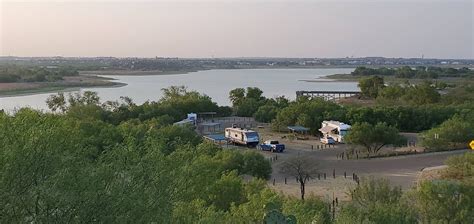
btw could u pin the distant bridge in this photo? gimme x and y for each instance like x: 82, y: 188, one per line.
x: 328, y: 95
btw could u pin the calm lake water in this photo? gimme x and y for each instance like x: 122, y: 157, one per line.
x: 214, y: 83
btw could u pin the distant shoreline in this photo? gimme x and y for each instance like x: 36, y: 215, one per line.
x: 135, y: 73
x: 70, y: 84
x: 98, y: 79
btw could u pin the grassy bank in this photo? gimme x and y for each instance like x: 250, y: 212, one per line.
x: 69, y: 84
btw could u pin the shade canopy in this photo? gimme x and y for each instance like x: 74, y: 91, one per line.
x: 210, y: 124
x: 298, y: 128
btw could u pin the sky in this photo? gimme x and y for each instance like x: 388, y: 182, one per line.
x: 226, y: 28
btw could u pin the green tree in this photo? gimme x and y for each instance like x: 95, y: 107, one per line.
x: 376, y: 201
x: 236, y: 96
x: 301, y: 168
x: 391, y: 93
x: 259, y: 200
x: 58, y: 102
x: 453, y: 133
x: 460, y: 168
x: 423, y: 93
x: 228, y: 190
x: 197, y: 211
x: 405, y: 72
x: 247, y: 108
x: 311, y: 210
x: 371, y: 86
x: 307, y: 112
x: 266, y: 113
x: 254, y: 93
x: 445, y: 201
x: 373, y: 137
x: 256, y: 165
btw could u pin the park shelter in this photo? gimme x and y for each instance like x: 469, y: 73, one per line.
x: 209, y: 127
x: 298, y: 129
x: 206, y: 115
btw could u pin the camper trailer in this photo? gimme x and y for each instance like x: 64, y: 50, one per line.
x: 242, y: 136
x: 334, y: 129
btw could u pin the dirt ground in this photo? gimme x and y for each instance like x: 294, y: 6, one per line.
x: 21, y: 88
x: 15, y: 86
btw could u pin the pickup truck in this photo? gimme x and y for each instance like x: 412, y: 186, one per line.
x: 271, y: 145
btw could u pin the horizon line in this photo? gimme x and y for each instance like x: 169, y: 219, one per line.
x: 232, y: 57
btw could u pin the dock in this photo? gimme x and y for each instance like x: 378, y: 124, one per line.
x: 328, y: 95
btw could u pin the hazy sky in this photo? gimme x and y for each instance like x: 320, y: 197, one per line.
x: 279, y: 28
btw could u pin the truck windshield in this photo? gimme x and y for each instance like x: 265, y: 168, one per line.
x: 274, y: 142
x: 251, y: 134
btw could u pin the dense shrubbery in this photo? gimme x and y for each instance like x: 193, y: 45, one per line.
x: 308, y: 113
x: 407, y: 108
x: 173, y: 106
x: 439, y: 201
x: 251, y: 103
x: 311, y: 112
x: 399, y: 94
x: 121, y: 162
x: 16, y: 73
x: 460, y: 168
x: 102, y: 163
x: 454, y: 133
x: 373, y: 137
x: 78, y: 167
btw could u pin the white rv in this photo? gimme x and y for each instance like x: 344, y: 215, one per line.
x: 242, y: 136
x: 335, y: 129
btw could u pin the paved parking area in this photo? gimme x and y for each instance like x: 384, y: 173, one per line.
x: 400, y: 170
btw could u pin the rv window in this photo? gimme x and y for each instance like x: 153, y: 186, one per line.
x: 251, y: 134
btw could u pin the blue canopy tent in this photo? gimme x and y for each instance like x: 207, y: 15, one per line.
x: 298, y: 129
x: 299, y: 132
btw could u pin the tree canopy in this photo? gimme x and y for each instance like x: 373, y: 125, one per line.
x: 373, y: 137
x: 371, y: 86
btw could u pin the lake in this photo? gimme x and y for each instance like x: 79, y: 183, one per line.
x: 214, y: 83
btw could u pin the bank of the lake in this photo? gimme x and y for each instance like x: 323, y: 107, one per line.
x: 68, y: 84
x: 214, y: 83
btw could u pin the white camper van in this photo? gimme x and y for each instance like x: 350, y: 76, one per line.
x: 334, y: 129
x: 242, y: 136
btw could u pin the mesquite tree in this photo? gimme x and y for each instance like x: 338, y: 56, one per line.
x: 302, y: 168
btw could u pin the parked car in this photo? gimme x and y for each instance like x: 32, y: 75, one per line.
x: 271, y: 145
x: 328, y: 140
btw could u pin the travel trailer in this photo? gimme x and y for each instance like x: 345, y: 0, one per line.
x: 242, y: 136
x: 334, y: 129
